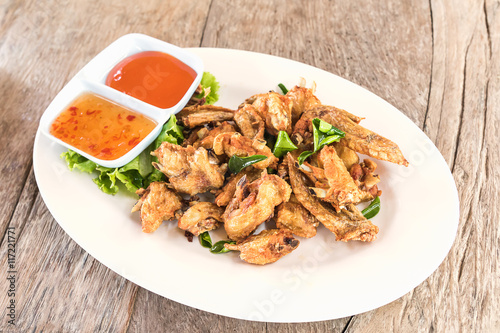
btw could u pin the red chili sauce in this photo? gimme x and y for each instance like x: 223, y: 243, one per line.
x: 153, y: 77
x: 100, y: 127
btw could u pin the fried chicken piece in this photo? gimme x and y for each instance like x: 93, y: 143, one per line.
x: 302, y: 99
x: 341, y: 187
x: 253, y: 203
x: 157, y: 203
x: 189, y: 170
x: 357, y: 138
x: 294, y: 217
x: 348, y: 156
x: 250, y: 122
x: 266, y: 247
x: 197, y: 115
x: 276, y: 110
x: 206, y: 137
x: 236, y: 144
x: 225, y: 195
x: 344, y: 228
x: 201, y: 217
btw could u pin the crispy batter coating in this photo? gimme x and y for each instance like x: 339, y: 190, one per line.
x: 294, y: 217
x: 356, y: 138
x: 236, y: 144
x: 225, y: 195
x: 197, y: 115
x: 348, y: 156
x: 254, y: 203
x: 157, y: 203
x: 250, y: 122
x: 189, y: 170
x: 206, y: 137
x: 276, y: 110
x: 201, y: 217
x: 266, y: 247
x: 341, y: 187
x: 344, y: 228
x: 302, y: 99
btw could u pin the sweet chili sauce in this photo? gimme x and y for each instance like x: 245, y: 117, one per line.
x: 100, y: 127
x: 153, y: 77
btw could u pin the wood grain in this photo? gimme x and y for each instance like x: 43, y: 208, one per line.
x: 435, y: 60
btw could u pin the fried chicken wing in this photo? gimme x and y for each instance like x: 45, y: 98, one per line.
x: 357, y: 138
x: 254, y: 203
x: 302, y: 99
x: 206, y: 137
x: 225, y: 195
x: 197, y: 115
x: 266, y: 247
x: 250, y: 122
x: 341, y: 187
x: 276, y: 110
x: 201, y: 217
x: 189, y: 170
x: 236, y: 144
x: 294, y: 217
x: 344, y: 228
x: 157, y: 203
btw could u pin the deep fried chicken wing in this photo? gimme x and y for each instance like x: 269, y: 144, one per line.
x: 266, y: 247
x: 157, y: 203
x: 254, y: 203
x: 276, y: 110
x: 302, y: 99
x: 225, y: 195
x: 206, y: 137
x: 201, y: 217
x: 249, y: 122
x: 340, y: 224
x: 189, y: 170
x: 356, y: 138
x: 236, y: 144
x: 294, y: 217
x: 341, y: 187
x: 197, y: 115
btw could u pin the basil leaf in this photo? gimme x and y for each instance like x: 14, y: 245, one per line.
x: 372, y: 209
x: 304, y: 155
x: 283, y: 88
x: 219, y: 246
x: 205, y: 240
x: 236, y: 164
x: 283, y: 145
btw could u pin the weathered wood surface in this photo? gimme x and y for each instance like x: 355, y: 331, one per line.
x: 437, y: 61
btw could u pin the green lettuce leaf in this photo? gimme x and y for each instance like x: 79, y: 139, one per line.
x: 208, y: 81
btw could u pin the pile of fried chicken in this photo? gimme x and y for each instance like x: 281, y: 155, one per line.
x: 324, y: 189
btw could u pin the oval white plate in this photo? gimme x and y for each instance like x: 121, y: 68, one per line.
x: 322, y: 279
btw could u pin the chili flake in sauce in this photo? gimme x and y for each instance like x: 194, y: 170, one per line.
x: 101, y: 128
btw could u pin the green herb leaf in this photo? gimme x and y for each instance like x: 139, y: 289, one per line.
x: 324, y: 133
x: 219, y: 246
x: 205, y: 240
x: 304, y: 155
x: 236, y: 164
x: 270, y: 140
x: 283, y: 145
x: 283, y: 88
x: 372, y: 209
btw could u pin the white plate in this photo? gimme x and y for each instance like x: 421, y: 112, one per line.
x: 322, y: 279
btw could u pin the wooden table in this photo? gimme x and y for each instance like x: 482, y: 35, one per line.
x: 437, y: 61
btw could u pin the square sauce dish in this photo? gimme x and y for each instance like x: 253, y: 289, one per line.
x: 116, y: 105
